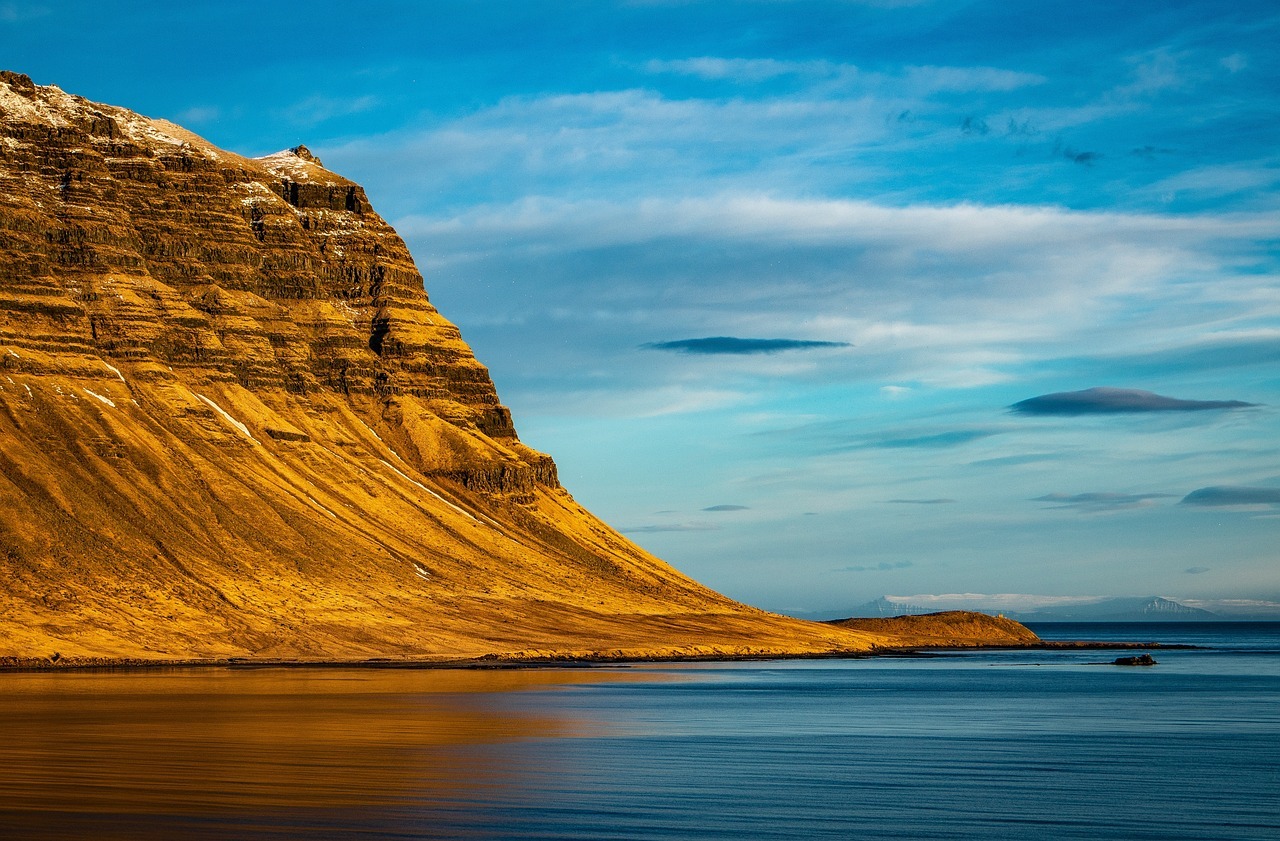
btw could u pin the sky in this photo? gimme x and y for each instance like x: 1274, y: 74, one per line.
x: 817, y: 300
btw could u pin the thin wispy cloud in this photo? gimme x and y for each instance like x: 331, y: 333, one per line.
x: 719, y: 508
x: 939, y: 501
x: 846, y: 436
x: 1213, y: 351
x: 668, y: 527
x: 884, y: 566
x: 320, y: 108
x: 746, y: 69
x: 1098, y: 501
x: 922, y: 80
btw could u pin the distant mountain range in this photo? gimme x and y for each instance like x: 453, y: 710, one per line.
x: 1121, y: 609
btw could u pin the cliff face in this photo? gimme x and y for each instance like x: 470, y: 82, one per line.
x: 232, y: 424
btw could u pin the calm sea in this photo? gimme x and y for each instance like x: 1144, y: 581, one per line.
x: 983, y: 745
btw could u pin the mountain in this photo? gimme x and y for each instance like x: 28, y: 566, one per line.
x: 233, y: 425
x: 883, y: 608
x: 1140, y: 609
x: 1022, y: 608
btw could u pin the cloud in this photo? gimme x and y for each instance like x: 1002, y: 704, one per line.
x: 974, y: 125
x: 1101, y: 501
x: 883, y: 566
x: 733, y: 345
x: 319, y: 108
x: 967, y: 79
x: 1017, y: 460
x: 1222, y: 496
x: 727, y: 508
x: 643, y: 216
x: 1243, y: 178
x: 1196, y: 570
x: 922, y: 80
x: 933, y: 440
x: 199, y: 114
x: 1219, y: 350
x: 19, y: 12
x: 745, y: 69
x: 1110, y: 401
x: 1085, y: 158
x: 1021, y: 128
x: 673, y: 527
x: 848, y: 435
x: 920, y: 501
x: 1235, y: 62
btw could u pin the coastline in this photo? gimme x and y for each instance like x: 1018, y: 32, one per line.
x: 13, y: 665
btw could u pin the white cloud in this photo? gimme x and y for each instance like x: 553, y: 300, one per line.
x: 919, y: 80
x: 1219, y: 180
x: 746, y: 69
x: 951, y: 79
x: 1235, y: 62
x: 19, y: 12
x: 320, y: 108
x: 948, y: 296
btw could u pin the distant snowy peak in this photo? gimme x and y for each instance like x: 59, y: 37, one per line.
x: 1079, y: 609
x: 884, y: 607
x: 1139, y: 609
x: 1167, y: 607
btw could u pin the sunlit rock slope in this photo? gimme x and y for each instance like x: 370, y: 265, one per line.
x: 232, y: 425
x: 946, y: 629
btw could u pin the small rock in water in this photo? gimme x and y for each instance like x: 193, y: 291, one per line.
x: 1140, y: 660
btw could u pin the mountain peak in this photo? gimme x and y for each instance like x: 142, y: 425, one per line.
x: 305, y: 153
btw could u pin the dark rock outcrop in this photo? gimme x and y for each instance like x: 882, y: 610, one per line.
x: 1139, y: 660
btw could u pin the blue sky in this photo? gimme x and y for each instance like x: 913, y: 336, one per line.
x: 937, y: 209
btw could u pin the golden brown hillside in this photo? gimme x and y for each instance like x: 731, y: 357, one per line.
x: 946, y: 629
x: 232, y: 425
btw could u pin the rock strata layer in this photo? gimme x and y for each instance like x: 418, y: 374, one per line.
x: 233, y: 425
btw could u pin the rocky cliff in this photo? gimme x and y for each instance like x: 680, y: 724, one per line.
x: 233, y: 425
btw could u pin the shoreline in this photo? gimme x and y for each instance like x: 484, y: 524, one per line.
x: 14, y: 665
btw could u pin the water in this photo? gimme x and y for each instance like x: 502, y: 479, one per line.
x: 983, y: 745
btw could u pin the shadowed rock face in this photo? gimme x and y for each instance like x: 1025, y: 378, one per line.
x: 232, y: 424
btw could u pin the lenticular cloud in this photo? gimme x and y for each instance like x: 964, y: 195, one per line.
x: 1110, y: 401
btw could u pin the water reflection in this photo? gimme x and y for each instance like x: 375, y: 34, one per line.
x: 263, y: 753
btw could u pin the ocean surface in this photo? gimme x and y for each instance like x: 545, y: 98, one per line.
x: 980, y: 745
